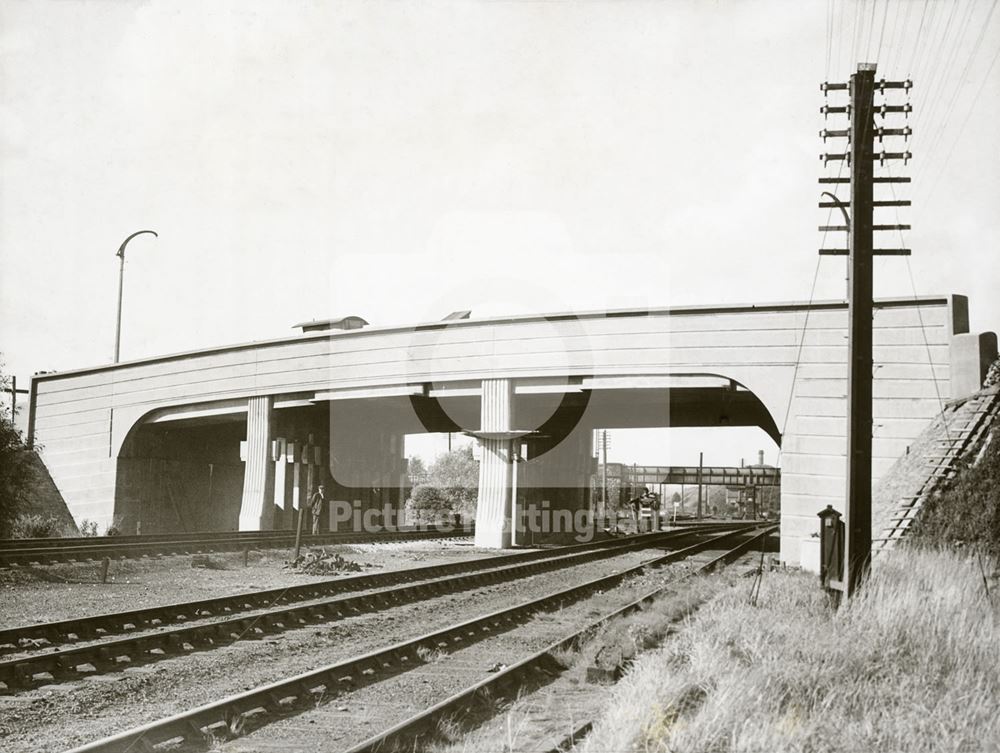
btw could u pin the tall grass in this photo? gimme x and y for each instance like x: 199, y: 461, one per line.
x: 913, y: 664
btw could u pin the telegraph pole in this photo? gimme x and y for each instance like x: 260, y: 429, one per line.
x: 859, y: 226
x: 858, y: 519
x: 701, y: 458
x: 604, y: 473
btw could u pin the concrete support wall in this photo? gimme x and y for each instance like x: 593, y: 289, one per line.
x: 971, y: 357
x: 911, y: 381
x: 258, y: 476
x: 554, y: 504
x: 493, y: 511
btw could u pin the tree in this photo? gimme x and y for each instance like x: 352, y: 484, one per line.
x: 427, y: 504
x: 416, y: 471
x: 456, y: 474
x: 451, y: 489
x: 15, y: 470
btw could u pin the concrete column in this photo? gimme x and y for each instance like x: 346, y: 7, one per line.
x: 258, y: 473
x: 493, y: 524
x: 280, y: 499
x: 296, y: 452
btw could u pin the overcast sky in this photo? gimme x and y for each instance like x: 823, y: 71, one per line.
x: 401, y: 161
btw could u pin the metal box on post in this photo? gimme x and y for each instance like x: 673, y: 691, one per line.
x: 831, y: 547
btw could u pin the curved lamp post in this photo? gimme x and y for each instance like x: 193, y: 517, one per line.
x: 121, y: 280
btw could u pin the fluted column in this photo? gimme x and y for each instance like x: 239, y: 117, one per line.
x: 258, y: 472
x: 493, y: 509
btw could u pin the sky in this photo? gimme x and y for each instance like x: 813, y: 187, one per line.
x: 403, y: 160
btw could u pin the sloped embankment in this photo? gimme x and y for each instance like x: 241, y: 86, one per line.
x: 909, y: 665
x: 932, y: 463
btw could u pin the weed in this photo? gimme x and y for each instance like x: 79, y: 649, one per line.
x: 430, y: 655
x: 36, y: 527
x: 906, y: 665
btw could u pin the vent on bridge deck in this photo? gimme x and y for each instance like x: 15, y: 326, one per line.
x: 348, y: 322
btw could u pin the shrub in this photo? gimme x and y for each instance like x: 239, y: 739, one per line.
x: 14, y: 473
x: 429, y: 504
x: 967, y: 511
x: 37, y: 527
x: 88, y: 527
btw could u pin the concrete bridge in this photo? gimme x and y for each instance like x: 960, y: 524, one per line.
x: 234, y: 436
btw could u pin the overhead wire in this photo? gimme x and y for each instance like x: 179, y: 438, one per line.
x: 871, y: 28
x: 897, y: 52
x: 839, y: 35
x: 857, y: 31
x: 920, y: 316
x: 957, y: 87
x: 930, y: 103
x: 829, y: 36
x: 937, y: 54
x: 805, y: 323
x: 881, y: 35
x: 928, y: 192
x: 926, y: 22
x: 939, y: 135
x: 892, y: 49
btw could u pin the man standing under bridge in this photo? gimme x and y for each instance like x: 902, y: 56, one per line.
x: 316, y: 506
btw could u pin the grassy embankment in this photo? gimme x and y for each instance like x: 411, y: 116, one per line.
x: 911, y: 665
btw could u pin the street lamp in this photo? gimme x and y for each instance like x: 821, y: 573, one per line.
x: 121, y: 280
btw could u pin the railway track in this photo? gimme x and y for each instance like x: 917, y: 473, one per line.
x: 225, y: 620
x: 47, y: 635
x: 407, y: 735
x: 89, y: 549
x: 241, y: 713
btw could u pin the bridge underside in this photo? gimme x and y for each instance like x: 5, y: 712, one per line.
x: 185, y: 471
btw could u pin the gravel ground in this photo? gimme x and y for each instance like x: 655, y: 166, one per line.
x: 543, y: 718
x: 352, y: 717
x: 63, y: 716
x: 63, y: 591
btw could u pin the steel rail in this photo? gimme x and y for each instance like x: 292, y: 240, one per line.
x: 64, y: 665
x: 42, y: 542
x: 113, y: 547
x: 241, y: 713
x: 46, y: 635
x: 405, y: 734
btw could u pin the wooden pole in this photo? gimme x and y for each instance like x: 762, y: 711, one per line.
x: 604, y: 474
x: 858, y: 512
x: 701, y: 458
